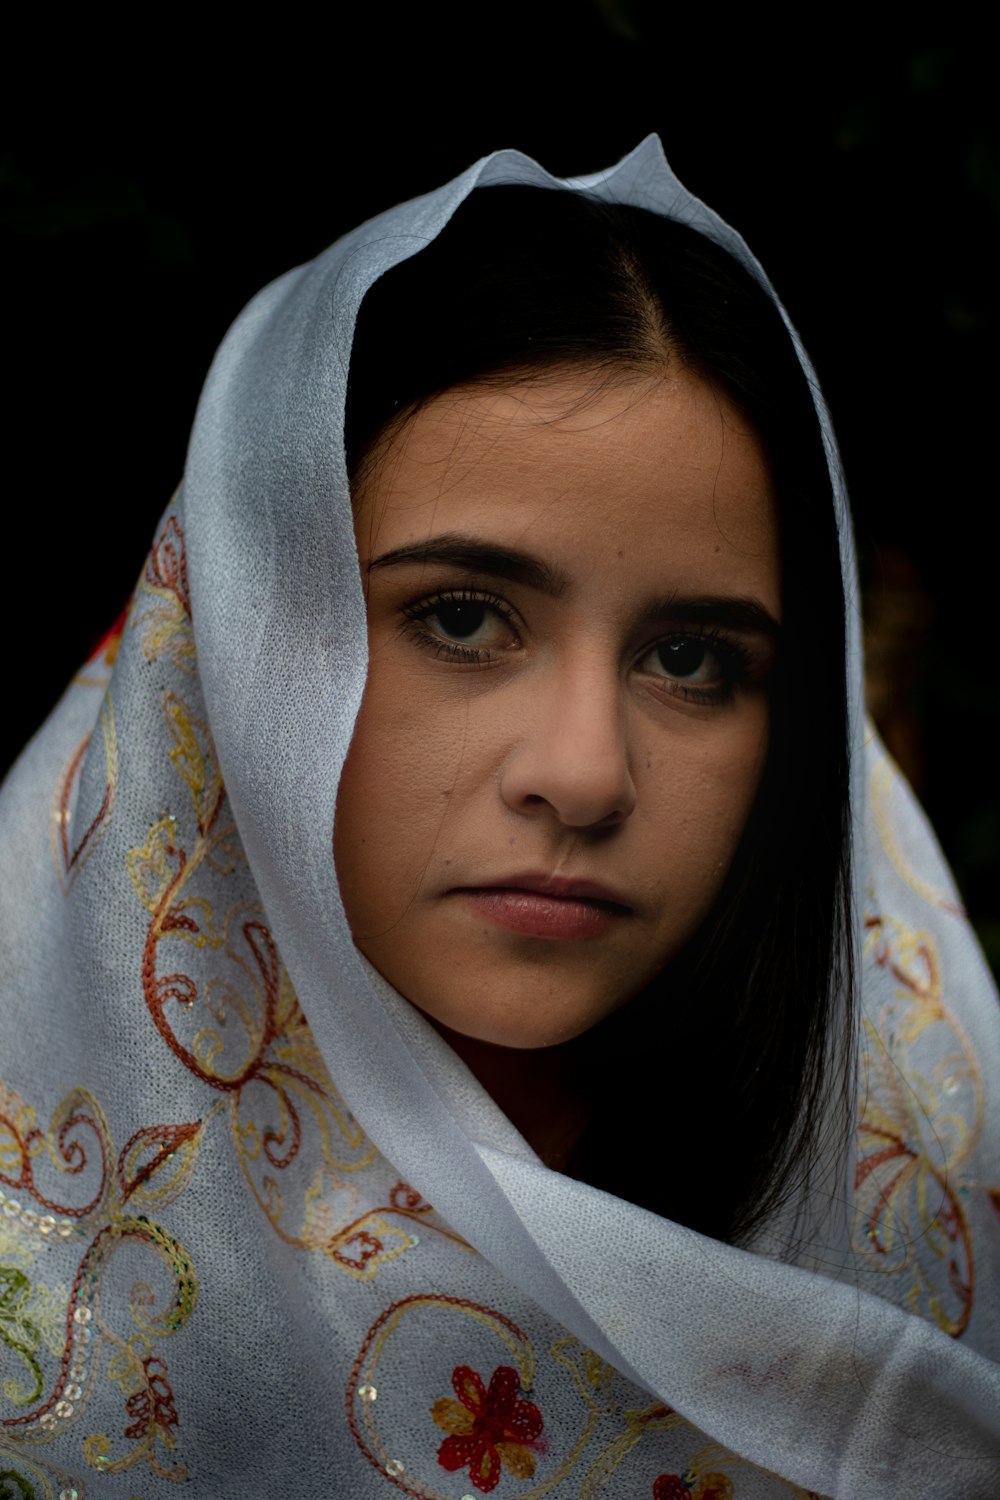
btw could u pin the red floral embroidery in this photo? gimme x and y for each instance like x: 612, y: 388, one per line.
x: 686, y: 1486
x: 670, y: 1487
x: 153, y: 1407
x: 166, y: 566
x: 356, y: 1252
x: 408, y: 1200
x: 491, y: 1430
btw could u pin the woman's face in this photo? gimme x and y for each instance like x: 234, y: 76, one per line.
x: 573, y: 609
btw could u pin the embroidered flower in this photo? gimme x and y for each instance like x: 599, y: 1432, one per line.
x: 687, y: 1486
x: 491, y: 1429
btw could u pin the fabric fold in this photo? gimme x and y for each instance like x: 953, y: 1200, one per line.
x: 261, y: 1230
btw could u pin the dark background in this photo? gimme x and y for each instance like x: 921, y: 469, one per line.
x: 151, y: 183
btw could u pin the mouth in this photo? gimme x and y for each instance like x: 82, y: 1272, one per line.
x: 547, y: 906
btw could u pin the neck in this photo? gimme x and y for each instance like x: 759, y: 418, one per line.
x: 539, y: 1090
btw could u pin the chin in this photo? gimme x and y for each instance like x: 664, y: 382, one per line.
x: 530, y: 1033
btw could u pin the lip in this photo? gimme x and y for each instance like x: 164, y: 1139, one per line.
x: 562, y: 887
x: 547, y: 906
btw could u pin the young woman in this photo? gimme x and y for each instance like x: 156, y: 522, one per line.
x: 491, y: 698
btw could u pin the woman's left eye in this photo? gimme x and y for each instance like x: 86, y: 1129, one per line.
x: 707, y: 668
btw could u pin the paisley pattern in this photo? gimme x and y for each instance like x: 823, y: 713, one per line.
x: 66, y: 1336
x: 917, y: 1134
x: 209, y: 1274
x: 97, y: 1285
x: 66, y: 808
x: 923, y: 1115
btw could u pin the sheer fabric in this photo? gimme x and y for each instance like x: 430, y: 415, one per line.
x: 271, y: 1255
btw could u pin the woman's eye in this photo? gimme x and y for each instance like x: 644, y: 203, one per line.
x: 687, y: 659
x: 466, y: 620
x: 464, y: 625
x: 703, y: 669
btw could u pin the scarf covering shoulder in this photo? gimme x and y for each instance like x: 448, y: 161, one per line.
x: 256, y: 1253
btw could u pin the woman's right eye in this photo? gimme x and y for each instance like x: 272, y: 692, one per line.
x: 463, y: 620
x: 467, y: 625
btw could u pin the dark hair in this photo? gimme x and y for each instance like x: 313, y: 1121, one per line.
x: 711, y: 1084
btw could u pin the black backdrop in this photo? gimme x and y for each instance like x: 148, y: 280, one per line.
x: 150, y: 183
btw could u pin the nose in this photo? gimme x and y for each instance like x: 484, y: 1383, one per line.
x: 572, y: 755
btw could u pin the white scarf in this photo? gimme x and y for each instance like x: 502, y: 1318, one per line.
x: 216, y: 1265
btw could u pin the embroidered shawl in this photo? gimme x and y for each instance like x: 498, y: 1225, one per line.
x: 271, y: 1255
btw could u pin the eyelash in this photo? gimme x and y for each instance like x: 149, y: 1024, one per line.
x: 426, y: 609
x: 735, y: 662
x: 734, y: 658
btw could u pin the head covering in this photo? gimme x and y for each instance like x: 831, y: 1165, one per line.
x: 273, y: 1256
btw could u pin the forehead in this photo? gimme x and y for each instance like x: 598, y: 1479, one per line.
x: 621, y: 477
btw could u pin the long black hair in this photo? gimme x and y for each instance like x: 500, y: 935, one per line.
x: 711, y: 1085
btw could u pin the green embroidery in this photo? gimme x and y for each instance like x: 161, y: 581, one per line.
x: 19, y: 1333
x: 24, y: 1490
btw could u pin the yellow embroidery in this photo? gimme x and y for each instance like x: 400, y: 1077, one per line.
x: 507, y: 1395
x: 884, y: 780
x: 916, y: 1133
x: 155, y: 864
x: 193, y: 756
x: 61, y: 1336
x: 162, y: 607
x: 77, y: 831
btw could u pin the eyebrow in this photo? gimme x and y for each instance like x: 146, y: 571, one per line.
x: 731, y: 610
x: 736, y: 612
x: 477, y: 557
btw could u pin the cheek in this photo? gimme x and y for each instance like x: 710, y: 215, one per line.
x: 397, y: 789
x: 733, y: 777
x: 700, y: 802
